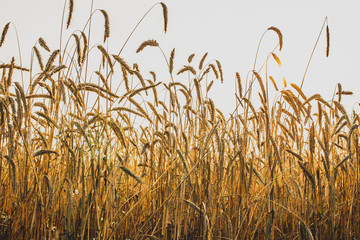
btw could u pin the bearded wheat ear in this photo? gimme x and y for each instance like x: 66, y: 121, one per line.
x: 201, y: 64
x: 4, y: 32
x: 171, y: 61
x: 165, y: 15
x: 148, y: 43
x: 278, y: 32
x: 71, y: 10
x: 327, y: 40
x: 43, y: 44
x: 107, y: 24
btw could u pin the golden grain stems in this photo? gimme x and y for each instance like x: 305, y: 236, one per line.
x: 278, y: 32
x: 3, y: 34
x: 147, y: 43
x: 106, y: 24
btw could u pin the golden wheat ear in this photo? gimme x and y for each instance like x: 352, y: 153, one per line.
x: 165, y: 13
x: 327, y: 41
x: 4, y: 32
x: 147, y: 43
x: 71, y: 10
x: 278, y: 32
x: 107, y: 24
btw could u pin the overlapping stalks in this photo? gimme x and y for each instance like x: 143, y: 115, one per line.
x: 158, y: 160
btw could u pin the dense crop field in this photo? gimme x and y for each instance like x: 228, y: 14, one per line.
x: 115, y: 153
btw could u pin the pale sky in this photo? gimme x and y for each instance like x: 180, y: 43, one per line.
x: 228, y: 30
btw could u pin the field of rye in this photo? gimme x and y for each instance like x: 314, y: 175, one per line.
x: 84, y: 158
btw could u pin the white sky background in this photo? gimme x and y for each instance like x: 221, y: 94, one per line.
x: 228, y: 30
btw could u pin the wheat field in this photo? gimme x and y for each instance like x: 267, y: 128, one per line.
x: 115, y: 153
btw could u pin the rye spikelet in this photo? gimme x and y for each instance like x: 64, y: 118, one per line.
x: 209, y: 86
x: 212, y: 66
x: 51, y: 60
x: 295, y: 154
x: 13, y: 172
x: 49, y: 120
x: 71, y: 10
x: 4, y: 32
x: 147, y: 43
x: 220, y: 71
x: 171, y: 61
x: 103, y: 80
x: 78, y: 47
x: 278, y: 32
x: 107, y: 25
x: 118, y: 132
x: 43, y: 44
x: 22, y: 94
x: 312, y: 138
x: 307, y: 174
x: 129, y: 110
x: 299, y: 90
x: 276, y: 58
x: 137, y: 91
x: 327, y: 41
x: 126, y: 80
x: 190, y: 58
x: 140, y: 109
x: 154, y: 111
x: 122, y: 63
x: 45, y: 151
x: 239, y: 86
x: 274, y: 83
x: 201, y: 64
x: 86, y: 46
x: 106, y: 56
x: 131, y: 174
x: 11, y: 71
x: 187, y: 68
x: 261, y: 84
x: 198, y: 89
x: 38, y: 56
x: 165, y: 15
